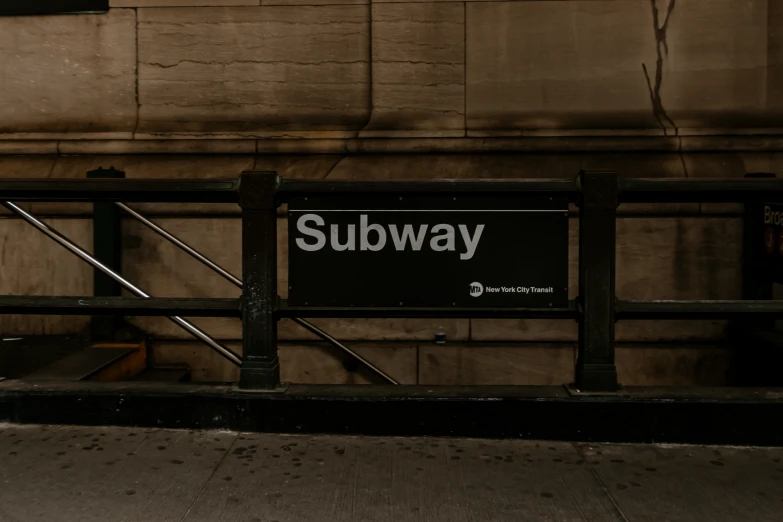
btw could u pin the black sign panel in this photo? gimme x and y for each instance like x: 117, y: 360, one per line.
x: 770, y: 244
x: 434, y: 251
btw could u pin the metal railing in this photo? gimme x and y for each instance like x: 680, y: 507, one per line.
x: 200, y: 307
x: 597, y: 194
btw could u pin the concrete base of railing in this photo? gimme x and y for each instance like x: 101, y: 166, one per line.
x: 737, y: 416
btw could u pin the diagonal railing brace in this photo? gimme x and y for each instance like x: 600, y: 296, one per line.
x: 238, y: 283
x: 85, y: 256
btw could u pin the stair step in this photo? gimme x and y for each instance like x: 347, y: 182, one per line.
x: 21, y: 356
x: 81, y: 365
x: 125, y: 368
x: 99, y: 362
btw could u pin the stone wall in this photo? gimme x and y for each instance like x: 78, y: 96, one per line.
x: 351, y: 68
x: 352, y: 89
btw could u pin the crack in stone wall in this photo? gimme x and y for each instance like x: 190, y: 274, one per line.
x: 661, y: 49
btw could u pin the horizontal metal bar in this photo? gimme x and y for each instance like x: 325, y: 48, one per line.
x: 134, y: 190
x: 86, y: 257
x: 236, y: 282
x: 697, y: 309
x: 425, y: 312
x: 294, y: 187
x: 226, y: 191
x: 137, y: 306
x: 680, y: 190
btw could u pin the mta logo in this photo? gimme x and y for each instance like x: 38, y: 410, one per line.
x: 476, y: 289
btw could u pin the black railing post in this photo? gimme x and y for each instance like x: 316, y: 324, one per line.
x: 258, y: 199
x: 756, y: 283
x: 755, y: 364
x: 107, y: 248
x: 598, y: 200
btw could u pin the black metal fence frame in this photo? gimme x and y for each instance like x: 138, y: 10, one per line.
x: 597, y: 194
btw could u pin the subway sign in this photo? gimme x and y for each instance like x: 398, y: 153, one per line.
x: 428, y: 251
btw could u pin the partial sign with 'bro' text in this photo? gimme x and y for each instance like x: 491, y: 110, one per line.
x: 428, y: 251
x: 769, y: 245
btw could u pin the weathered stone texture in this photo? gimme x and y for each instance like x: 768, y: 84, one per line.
x: 302, y: 68
x: 313, y: 363
x: 379, y: 329
x: 320, y: 364
x: 33, y: 264
x: 253, y: 68
x: 775, y: 60
x: 348, y: 330
x: 462, y: 364
x: 27, y: 147
x: 158, y: 146
x: 689, y: 365
x: 715, y: 71
x: 31, y: 167
x: 678, y: 258
x: 570, y: 64
x: 62, y: 74
x: 539, y: 364
x: 418, y: 67
x: 163, y: 270
x: 617, y: 65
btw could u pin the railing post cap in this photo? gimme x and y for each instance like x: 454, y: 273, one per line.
x: 258, y: 189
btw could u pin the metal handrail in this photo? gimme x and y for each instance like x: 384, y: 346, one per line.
x: 137, y: 190
x: 85, y: 256
x: 238, y: 283
x: 697, y: 190
x: 597, y: 194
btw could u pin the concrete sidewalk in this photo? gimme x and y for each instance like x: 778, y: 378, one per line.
x: 64, y: 473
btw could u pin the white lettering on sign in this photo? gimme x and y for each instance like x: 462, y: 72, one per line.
x: 350, y: 244
x: 364, y: 233
x: 373, y: 236
x: 407, y: 235
x: 772, y: 218
x: 517, y: 289
x: 320, y: 237
x: 470, y: 243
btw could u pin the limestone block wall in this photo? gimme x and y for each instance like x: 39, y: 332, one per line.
x: 352, y: 89
x: 341, y: 69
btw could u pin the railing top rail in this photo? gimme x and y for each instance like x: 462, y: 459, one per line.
x: 127, y: 190
x: 292, y: 187
x: 631, y: 190
x: 690, y: 190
